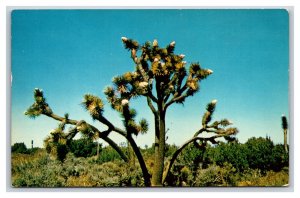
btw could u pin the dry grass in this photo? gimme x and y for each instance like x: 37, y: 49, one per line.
x: 270, y: 179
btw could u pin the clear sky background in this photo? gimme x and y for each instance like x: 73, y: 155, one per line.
x: 71, y: 53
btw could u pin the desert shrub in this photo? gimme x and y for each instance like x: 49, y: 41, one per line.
x: 113, y: 174
x: 256, y: 153
x: 259, y: 153
x: 179, y: 176
x: 36, y: 171
x: 19, y: 182
x: 185, y: 167
x: 108, y: 154
x: 62, y: 151
x: 216, y: 176
x: 39, y: 170
x: 233, y: 153
x: 270, y: 178
x: 191, y: 157
x: 280, y: 158
x: 170, y: 149
x: 273, y: 179
x: 33, y: 150
x: 248, y: 176
x: 19, y: 148
x: 83, y: 147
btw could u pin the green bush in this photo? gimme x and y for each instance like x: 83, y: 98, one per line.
x: 259, y: 153
x: 108, y: 154
x: 19, y: 148
x: 170, y: 149
x: 233, y: 153
x: 62, y: 151
x: 280, y: 158
x: 83, y: 147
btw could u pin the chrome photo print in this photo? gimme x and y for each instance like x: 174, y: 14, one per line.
x: 150, y: 98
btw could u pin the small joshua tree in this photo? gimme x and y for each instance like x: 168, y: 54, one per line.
x: 161, y: 77
x: 284, y: 127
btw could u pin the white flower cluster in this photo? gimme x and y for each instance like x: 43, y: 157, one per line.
x: 53, y: 131
x: 172, y: 44
x: 143, y: 84
x: 181, y: 55
x: 155, y: 43
x: 209, y: 71
x: 124, y: 102
x: 214, y: 101
x: 124, y: 39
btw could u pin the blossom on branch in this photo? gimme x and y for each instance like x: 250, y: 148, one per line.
x: 124, y: 102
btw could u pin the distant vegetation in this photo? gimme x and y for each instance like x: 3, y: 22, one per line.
x: 258, y: 162
x: 21, y: 148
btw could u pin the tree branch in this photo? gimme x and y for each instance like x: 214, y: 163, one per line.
x: 141, y: 160
x: 104, y: 137
x: 199, y: 132
x: 154, y: 111
x: 174, y: 99
x: 150, y: 95
x: 178, y: 94
x: 179, y: 150
x: 139, y: 65
x: 71, y: 134
x: 110, y: 126
x: 175, y: 155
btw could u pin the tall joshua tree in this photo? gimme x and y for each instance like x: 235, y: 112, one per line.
x: 162, y: 78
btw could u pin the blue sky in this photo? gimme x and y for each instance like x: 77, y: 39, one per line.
x: 69, y: 53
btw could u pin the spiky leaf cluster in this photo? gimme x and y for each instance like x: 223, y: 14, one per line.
x: 93, y: 105
x: 284, y: 122
x: 210, y: 108
x: 143, y: 126
x: 132, y: 127
x: 86, y: 130
x: 126, y: 86
x: 220, y: 128
x: 130, y: 44
x: 221, y: 123
x: 40, y: 106
x: 56, y: 139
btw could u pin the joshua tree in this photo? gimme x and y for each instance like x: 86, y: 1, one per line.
x: 284, y: 127
x: 161, y: 77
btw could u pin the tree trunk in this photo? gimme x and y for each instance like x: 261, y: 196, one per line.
x: 285, y: 140
x: 98, y: 150
x: 130, y: 155
x: 139, y: 156
x: 159, y: 150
